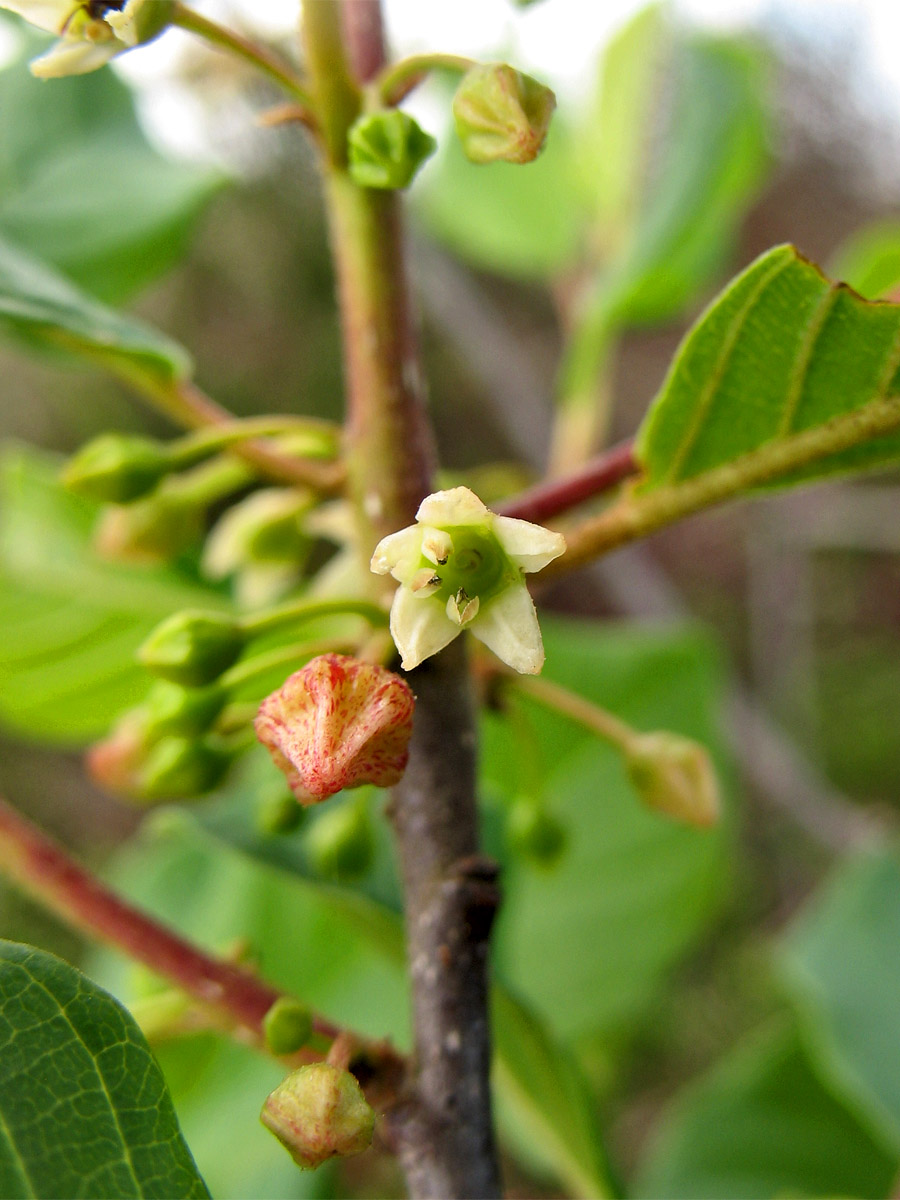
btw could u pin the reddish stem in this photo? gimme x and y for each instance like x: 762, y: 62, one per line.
x: 43, y: 869
x: 548, y: 499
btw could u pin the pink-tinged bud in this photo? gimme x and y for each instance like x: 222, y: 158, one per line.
x: 338, y: 723
x: 116, y: 761
x: 319, y: 1112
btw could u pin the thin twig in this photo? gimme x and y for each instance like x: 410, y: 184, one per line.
x: 40, y: 867
x: 554, y: 496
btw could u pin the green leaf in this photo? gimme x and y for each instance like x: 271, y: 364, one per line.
x: 44, y: 308
x: 613, y: 142
x: 588, y: 942
x: 69, y: 621
x: 762, y: 1125
x: 81, y: 188
x: 544, y: 1107
x: 840, y: 963
x: 523, y: 221
x: 342, y: 954
x: 869, y: 259
x: 714, y: 161
x: 84, y: 1109
x: 780, y: 352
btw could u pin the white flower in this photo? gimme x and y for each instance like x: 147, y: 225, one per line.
x: 462, y: 566
x: 91, y: 32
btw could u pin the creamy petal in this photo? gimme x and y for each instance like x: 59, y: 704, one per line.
x: 398, y: 553
x: 71, y: 56
x: 419, y: 627
x: 508, y: 625
x: 45, y: 14
x: 455, y: 506
x: 530, y: 546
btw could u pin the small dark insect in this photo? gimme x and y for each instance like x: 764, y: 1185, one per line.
x: 95, y: 9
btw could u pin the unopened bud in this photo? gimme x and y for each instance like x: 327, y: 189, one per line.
x: 115, y: 762
x: 386, y: 149
x: 319, y: 1112
x: 535, y: 833
x: 279, y: 814
x: 264, y: 528
x: 192, y: 648
x: 340, y: 843
x: 179, y: 768
x: 172, y: 709
x: 153, y: 530
x: 338, y: 723
x: 675, y: 776
x: 116, y: 469
x: 501, y: 114
x: 287, y: 1025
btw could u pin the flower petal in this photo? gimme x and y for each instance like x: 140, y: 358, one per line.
x: 529, y: 546
x: 45, y: 14
x: 71, y: 56
x: 455, y: 506
x: 508, y: 625
x: 420, y: 627
x: 398, y: 553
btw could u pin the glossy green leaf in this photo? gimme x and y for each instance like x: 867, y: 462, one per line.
x: 44, y: 308
x: 869, y: 259
x: 81, y: 188
x: 342, y: 954
x: 840, y: 962
x: 761, y: 1125
x: 712, y: 165
x: 781, y: 351
x: 69, y: 621
x: 588, y: 942
x: 84, y: 1109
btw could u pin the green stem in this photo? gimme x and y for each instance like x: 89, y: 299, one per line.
x: 640, y: 514
x: 243, y: 48
x: 570, y: 704
x: 337, y: 98
x: 289, y: 614
x: 398, y: 79
x: 584, y: 397
x: 295, y: 655
x: 322, y: 437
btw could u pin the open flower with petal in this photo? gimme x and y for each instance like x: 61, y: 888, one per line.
x: 91, y: 32
x: 463, y: 567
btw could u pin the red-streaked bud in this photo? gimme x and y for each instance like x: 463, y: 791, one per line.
x: 338, y: 723
x: 502, y: 115
x: 319, y: 1112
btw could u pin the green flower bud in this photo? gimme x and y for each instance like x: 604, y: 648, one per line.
x: 179, y: 768
x: 675, y: 776
x: 263, y: 528
x: 535, y: 833
x: 387, y: 148
x: 319, y: 1112
x: 172, y: 709
x: 279, y: 815
x: 156, y: 529
x: 501, y: 114
x: 116, y: 469
x: 192, y: 648
x: 340, y: 844
x: 287, y: 1025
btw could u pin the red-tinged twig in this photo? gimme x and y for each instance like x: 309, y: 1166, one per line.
x: 555, y: 496
x: 240, y: 1000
